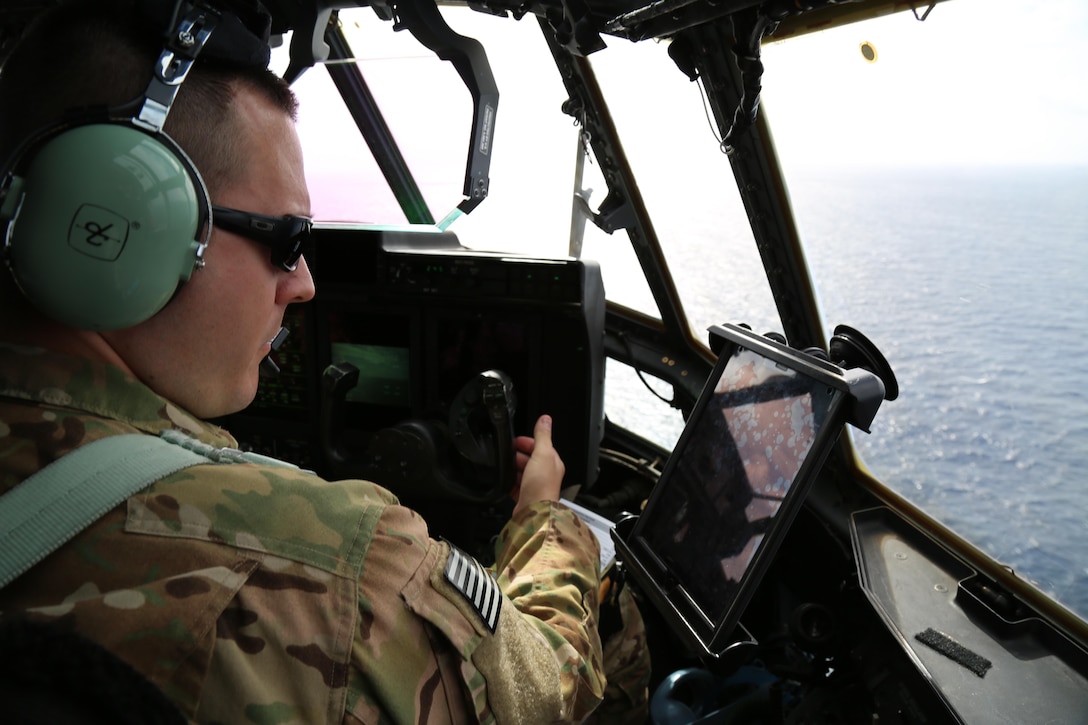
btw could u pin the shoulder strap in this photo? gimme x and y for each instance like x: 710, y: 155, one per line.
x: 53, y: 505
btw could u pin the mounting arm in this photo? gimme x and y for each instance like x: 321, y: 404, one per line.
x: 426, y: 23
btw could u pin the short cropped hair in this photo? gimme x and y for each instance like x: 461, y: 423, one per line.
x: 100, y: 53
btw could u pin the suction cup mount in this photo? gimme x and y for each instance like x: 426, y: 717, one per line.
x: 851, y: 349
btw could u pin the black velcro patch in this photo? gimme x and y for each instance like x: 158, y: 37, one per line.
x: 476, y: 585
x: 955, y: 651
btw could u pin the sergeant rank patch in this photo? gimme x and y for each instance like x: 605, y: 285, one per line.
x: 475, y: 585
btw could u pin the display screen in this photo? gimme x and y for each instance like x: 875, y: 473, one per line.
x: 414, y: 366
x: 724, y: 489
x: 380, y: 344
x: 384, y: 377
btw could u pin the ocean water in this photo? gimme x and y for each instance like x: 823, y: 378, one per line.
x: 975, y: 284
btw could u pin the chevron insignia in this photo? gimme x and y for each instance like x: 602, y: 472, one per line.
x: 475, y: 585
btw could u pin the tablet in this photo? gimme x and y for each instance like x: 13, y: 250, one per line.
x: 754, y: 443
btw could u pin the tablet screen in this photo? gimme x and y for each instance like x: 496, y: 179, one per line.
x: 736, y: 469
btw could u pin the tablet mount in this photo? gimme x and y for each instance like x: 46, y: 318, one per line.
x: 754, y: 444
x: 851, y: 349
x: 848, y: 348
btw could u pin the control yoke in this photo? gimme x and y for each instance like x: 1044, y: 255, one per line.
x: 467, y: 459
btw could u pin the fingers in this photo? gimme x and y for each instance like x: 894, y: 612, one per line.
x: 523, y: 449
x: 523, y: 445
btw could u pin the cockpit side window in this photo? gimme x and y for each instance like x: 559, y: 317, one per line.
x: 938, y: 178
x: 687, y: 184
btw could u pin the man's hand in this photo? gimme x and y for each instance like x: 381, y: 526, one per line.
x: 540, y: 469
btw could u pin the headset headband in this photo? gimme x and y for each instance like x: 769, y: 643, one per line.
x: 182, y: 47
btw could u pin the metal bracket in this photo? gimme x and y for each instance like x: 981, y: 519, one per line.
x: 425, y: 22
x: 176, y: 60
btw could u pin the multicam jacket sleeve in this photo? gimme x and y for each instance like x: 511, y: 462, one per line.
x: 547, y: 564
x: 539, y: 658
x: 254, y: 593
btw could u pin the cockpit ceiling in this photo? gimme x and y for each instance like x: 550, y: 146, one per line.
x: 639, y: 19
x: 581, y: 24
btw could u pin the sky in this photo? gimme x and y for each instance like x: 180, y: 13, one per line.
x: 1003, y: 86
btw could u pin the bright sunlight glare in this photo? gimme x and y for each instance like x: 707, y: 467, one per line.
x: 932, y: 96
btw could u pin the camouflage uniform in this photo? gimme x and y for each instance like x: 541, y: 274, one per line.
x: 264, y: 594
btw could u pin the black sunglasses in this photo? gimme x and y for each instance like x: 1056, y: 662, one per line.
x: 286, y: 235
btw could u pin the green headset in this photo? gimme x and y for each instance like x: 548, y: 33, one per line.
x: 105, y: 219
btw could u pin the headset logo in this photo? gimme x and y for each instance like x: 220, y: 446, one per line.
x: 98, y: 233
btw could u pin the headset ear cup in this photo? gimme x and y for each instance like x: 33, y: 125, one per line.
x: 108, y: 225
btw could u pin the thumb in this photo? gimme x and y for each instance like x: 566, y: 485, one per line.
x: 542, y: 432
x: 542, y: 478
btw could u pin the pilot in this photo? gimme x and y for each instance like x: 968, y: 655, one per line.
x: 245, y: 591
